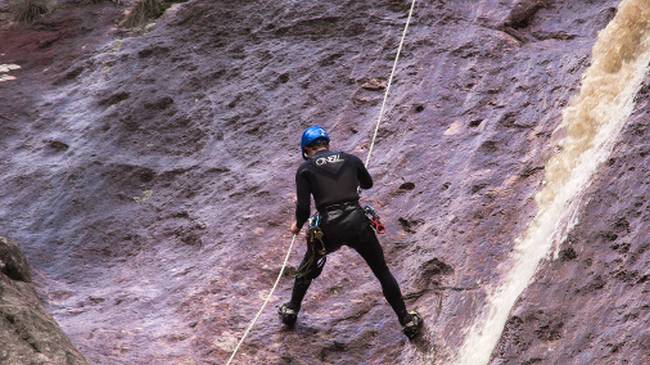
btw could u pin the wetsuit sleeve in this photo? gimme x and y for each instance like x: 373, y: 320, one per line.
x: 365, y: 180
x: 302, y: 193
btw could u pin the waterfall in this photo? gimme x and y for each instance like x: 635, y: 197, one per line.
x: 590, y: 126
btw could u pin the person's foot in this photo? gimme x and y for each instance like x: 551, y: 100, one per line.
x: 288, y: 315
x: 412, y: 327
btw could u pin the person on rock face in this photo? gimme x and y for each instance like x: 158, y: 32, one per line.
x: 333, y: 179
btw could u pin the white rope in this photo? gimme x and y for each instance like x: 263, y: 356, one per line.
x: 390, y: 81
x: 266, y: 301
x: 372, y: 144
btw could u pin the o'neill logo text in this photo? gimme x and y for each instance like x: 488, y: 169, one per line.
x: 329, y: 159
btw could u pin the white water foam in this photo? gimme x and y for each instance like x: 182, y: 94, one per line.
x: 591, y: 124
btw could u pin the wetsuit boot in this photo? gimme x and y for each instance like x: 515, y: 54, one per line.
x: 288, y: 315
x: 412, y: 327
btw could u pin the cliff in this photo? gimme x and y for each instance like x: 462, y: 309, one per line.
x: 29, y: 335
x: 148, y: 174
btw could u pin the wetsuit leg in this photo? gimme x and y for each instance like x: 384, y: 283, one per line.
x: 302, y: 283
x: 373, y: 254
x: 300, y: 287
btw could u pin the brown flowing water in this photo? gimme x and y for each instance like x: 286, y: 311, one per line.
x: 590, y: 126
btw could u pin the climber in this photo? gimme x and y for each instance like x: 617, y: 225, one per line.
x: 333, y: 179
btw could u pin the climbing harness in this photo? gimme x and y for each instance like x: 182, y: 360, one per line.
x: 316, y: 258
x: 375, y: 221
x: 316, y: 250
x: 370, y: 148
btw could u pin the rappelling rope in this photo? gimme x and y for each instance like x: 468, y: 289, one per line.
x: 372, y: 144
x: 266, y: 301
x: 390, y: 82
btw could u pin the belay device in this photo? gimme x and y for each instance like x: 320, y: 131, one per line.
x: 375, y: 221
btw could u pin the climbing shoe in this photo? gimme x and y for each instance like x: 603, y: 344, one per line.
x: 412, y: 327
x: 288, y: 315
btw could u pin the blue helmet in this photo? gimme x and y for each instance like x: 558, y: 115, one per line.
x: 310, y: 135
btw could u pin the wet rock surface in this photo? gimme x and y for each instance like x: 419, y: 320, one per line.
x: 149, y: 177
x: 601, y: 274
x: 29, y: 335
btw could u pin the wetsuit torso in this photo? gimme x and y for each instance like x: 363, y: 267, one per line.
x: 331, y: 177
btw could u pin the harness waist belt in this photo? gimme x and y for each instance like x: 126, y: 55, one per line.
x: 341, y: 205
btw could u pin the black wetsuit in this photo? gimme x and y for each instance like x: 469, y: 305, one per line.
x: 333, y: 178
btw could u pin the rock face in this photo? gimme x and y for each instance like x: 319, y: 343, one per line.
x: 602, y: 273
x: 149, y: 176
x: 29, y: 335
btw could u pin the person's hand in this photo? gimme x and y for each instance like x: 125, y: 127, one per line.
x: 294, y: 228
